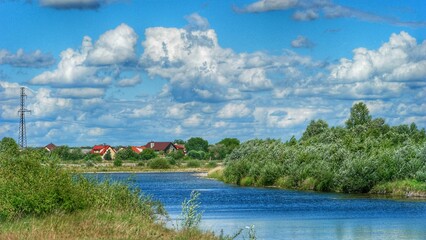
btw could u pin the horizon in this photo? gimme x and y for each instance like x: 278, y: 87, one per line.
x: 129, y: 72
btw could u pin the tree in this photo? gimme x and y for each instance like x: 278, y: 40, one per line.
x: 8, y: 147
x: 230, y: 144
x: 359, y: 115
x: 147, y: 154
x: 179, y: 141
x: 126, y: 154
x: 315, y: 128
x: 197, y: 144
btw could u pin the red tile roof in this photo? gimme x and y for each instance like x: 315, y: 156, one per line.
x: 50, y: 146
x: 101, y: 149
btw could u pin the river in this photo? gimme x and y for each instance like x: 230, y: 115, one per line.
x: 284, y: 214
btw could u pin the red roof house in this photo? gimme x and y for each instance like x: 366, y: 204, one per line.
x: 161, y: 146
x: 102, y: 150
x: 138, y: 149
x: 49, y: 147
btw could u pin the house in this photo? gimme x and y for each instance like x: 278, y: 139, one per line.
x: 180, y: 147
x: 102, y: 150
x: 166, y: 147
x: 49, y: 147
x: 138, y: 149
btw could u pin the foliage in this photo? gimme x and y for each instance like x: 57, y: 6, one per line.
x: 359, y: 115
x: 93, y: 157
x: 365, y: 153
x: 193, y: 163
x: 176, y: 155
x: 66, y: 153
x: 197, y: 144
x: 29, y: 187
x: 118, y: 163
x: 197, y: 154
x: 126, y: 154
x: 158, y: 163
x: 8, y: 147
x: 147, y: 154
x: 191, y: 214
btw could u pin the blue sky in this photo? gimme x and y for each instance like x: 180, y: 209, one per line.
x: 127, y: 72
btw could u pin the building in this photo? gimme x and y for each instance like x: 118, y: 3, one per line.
x: 165, y: 147
x: 49, y: 147
x: 138, y: 149
x: 103, y: 150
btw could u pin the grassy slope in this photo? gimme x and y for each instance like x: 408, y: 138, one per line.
x: 94, y: 224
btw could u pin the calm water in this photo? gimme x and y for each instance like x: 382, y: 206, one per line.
x: 282, y: 214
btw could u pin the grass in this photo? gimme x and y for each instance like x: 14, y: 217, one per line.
x: 94, y: 224
x: 406, y: 188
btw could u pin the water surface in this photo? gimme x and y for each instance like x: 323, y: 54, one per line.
x: 284, y: 214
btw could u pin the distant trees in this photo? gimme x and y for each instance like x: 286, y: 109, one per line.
x: 147, y: 154
x: 360, y: 115
x: 197, y: 144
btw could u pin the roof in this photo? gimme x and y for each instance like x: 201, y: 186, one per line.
x: 50, y: 146
x: 178, y: 146
x: 138, y: 149
x: 159, y: 146
x: 101, y: 149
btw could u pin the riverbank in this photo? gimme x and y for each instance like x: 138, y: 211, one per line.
x: 399, y: 189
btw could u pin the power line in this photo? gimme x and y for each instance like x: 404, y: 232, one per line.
x: 22, y: 129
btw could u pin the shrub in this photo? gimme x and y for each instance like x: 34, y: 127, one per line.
x: 211, y: 164
x: 247, y: 181
x: 158, y: 163
x: 118, y: 163
x: 193, y: 163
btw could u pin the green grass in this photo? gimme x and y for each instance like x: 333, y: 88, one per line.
x: 407, y: 188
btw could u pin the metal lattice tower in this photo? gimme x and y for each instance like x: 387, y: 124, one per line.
x: 22, y: 130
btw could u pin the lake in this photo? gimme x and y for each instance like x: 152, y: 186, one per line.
x: 285, y: 214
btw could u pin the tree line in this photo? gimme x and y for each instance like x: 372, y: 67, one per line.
x: 364, y: 153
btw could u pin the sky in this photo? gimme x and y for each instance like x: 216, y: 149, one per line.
x: 128, y: 72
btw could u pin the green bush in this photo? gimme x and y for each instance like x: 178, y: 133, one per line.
x: 118, y: 163
x: 193, y: 163
x: 30, y: 188
x: 158, y: 163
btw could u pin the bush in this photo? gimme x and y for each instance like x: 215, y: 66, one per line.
x: 193, y: 163
x: 147, y: 154
x: 118, y: 163
x: 247, y: 181
x: 158, y: 163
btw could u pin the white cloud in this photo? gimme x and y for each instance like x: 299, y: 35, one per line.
x: 193, y: 121
x: 302, y: 42
x: 81, y: 67
x: 146, y: 111
x: 81, y: 92
x: 129, y: 82
x: 283, y: 117
x: 396, y: 60
x: 116, y: 46
x: 35, y: 59
x: 220, y: 124
x: 96, y: 131
x: 45, y: 104
x: 9, y: 90
x: 234, y: 110
x: 197, y: 22
x: 269, y: 5
x: 176, y: 111
x: 305, y: 15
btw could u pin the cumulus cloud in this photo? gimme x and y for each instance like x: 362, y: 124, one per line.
x: 129, y: 82
x: 74, y: 4
x: 400, y: 59
x: 305, y: 15
x: 146, y: 111
x: 45, y: 104
x: 234, y: 110
x: 88, y: 66
x: 9, y: 90
x: 115, y: 46
x: 198, y: 68
x: 197, y: 22
x: 36, y: 59
x: 302, y: 42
